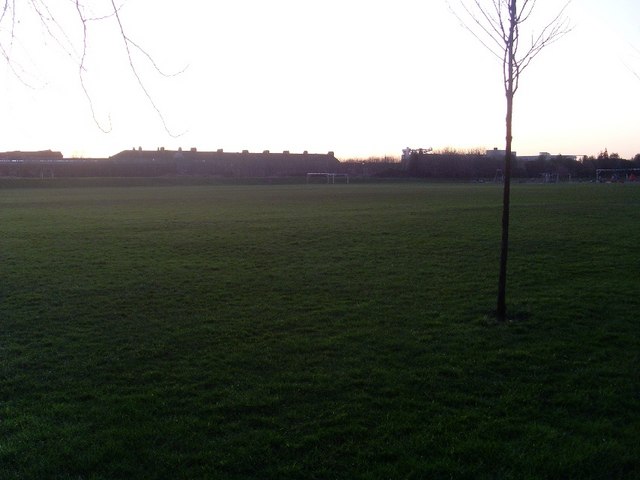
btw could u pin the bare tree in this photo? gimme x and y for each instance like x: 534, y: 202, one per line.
x: 68, y: 25
x: 497, y: 25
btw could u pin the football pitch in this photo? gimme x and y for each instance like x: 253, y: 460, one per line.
x: 317, y: 331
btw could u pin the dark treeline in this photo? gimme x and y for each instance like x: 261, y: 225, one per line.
x: 452, y: 165
x: 470, y: 166
x: 569, y: 166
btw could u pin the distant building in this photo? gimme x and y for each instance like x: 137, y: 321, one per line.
x: 546, y: 156
x: 495, y: 153
x: 149, y: 163
x: 408, y: 152
x: 243, y: 164
x: 20, y: 156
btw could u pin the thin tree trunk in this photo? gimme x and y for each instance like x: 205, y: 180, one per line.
x: 501, y: 310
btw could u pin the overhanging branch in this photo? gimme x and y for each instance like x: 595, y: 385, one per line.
x: 47, y: 16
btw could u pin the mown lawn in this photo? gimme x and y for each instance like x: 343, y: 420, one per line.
x: 317, y: 332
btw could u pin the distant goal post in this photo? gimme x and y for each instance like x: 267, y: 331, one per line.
x: 331, y: 177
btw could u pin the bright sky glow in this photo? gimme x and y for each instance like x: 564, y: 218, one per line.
x: 358, y: 77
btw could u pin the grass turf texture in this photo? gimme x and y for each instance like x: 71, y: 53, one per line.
x: 318, y: 331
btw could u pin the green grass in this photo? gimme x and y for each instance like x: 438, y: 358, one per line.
x: 314, y: 331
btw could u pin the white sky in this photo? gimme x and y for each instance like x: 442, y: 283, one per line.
x: 358, y: 77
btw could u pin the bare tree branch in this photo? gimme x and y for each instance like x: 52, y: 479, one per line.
x: 631, y: 69
x: 81, y: 71
x: 487, y: 24
x: 77, y: 50
x: 134, y: 70
x: 476, y: 35
x: 6, y: 50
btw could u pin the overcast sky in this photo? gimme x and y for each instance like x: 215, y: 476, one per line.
x: 357, y: 77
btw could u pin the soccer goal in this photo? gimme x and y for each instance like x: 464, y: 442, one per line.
x: 331, y: 177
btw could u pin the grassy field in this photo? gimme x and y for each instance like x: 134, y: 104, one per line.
x: 318, y: 332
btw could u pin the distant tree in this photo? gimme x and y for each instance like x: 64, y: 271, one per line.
x: 461, y: 151
x: 496, y: 24
x: 72, y: 38
x: 537, y: 167
x: 448, y: 151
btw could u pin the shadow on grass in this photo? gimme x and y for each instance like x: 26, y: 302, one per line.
x: 516, y: 314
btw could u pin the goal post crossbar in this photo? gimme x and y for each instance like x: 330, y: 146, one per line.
x: 331, y: 177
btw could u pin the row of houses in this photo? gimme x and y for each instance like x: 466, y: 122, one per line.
x: 161, y: 162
